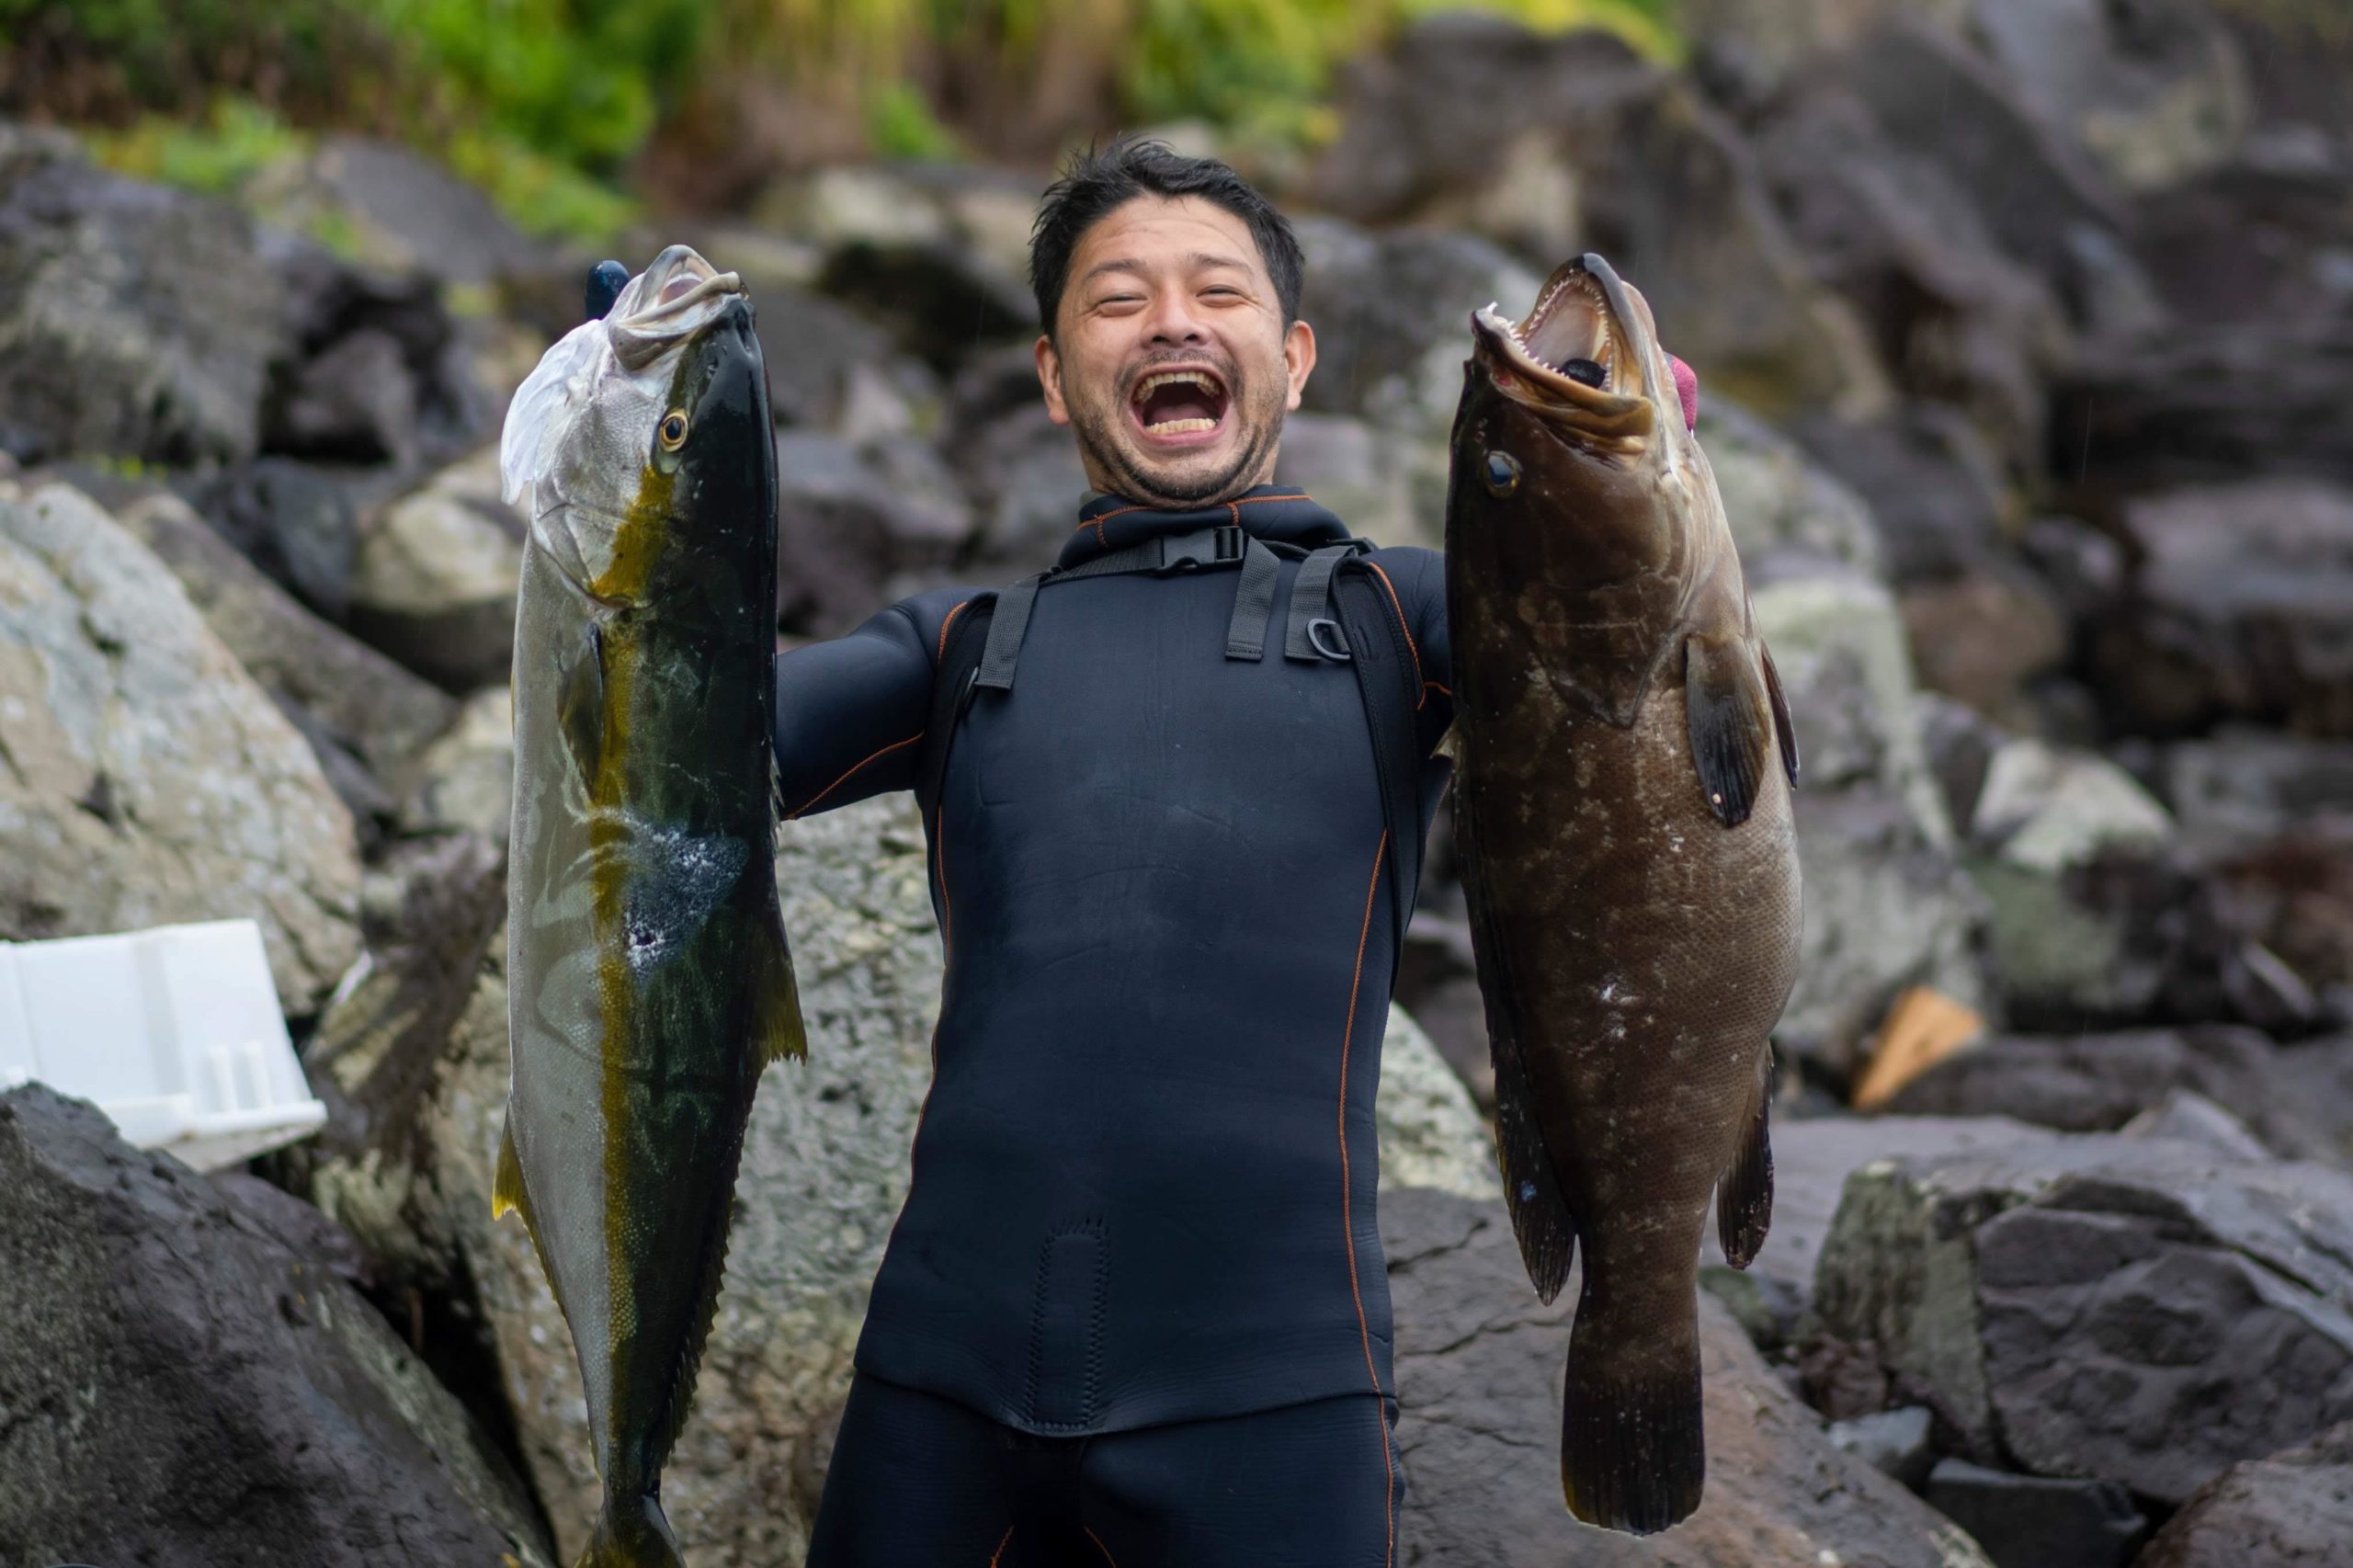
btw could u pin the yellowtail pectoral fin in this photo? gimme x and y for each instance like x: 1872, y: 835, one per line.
x: 507, y: 1191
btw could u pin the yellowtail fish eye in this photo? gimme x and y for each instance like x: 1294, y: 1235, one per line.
x: 674, y: 430
x: 1500, y: 473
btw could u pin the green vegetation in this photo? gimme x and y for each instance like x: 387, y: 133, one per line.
x: 552, y: 104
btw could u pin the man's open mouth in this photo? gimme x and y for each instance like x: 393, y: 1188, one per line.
x: 1173, y: 404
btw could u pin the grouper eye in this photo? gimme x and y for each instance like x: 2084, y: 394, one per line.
x: 674, y: 430
x: 1501, y: 474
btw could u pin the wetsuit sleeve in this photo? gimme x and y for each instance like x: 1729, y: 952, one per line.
x: 1418, y: 579
x: 850, y: 712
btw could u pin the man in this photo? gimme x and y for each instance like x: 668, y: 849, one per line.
x: 1135, y: 1312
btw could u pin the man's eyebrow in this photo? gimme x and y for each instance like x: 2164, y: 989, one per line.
x: 1129, y: 264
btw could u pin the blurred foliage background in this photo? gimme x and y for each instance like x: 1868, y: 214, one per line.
x: 571, y: 113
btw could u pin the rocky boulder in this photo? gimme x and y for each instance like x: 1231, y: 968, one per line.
x: 370, y: 707
x: 148, y: 779
x: 2292, y: 1510
x: 1886, y: 904
x: 191, y: 1379
x: 852, y: 521
x: 2097, y: 1083
x: 465, y: 780
x: 2137, y: 1310
x: 138, y: 321
x: 1479, y: 1394
x: 436, y: 574
x: 2238, y: 607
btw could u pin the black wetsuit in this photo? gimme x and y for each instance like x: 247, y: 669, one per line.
x: 1143, y: 1179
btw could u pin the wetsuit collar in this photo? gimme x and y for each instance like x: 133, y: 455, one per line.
x: 1269, y: 512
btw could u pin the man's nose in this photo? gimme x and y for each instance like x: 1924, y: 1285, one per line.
x: 1171, y: 319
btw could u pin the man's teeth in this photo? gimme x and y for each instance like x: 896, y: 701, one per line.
x: 1181, y: 426
x: 1173, y: 379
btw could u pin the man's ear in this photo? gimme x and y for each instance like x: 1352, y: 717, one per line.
x: 1298, y: 359
x: 1049, y: 380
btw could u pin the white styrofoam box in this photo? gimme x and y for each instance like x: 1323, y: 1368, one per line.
x: 174, y: 1032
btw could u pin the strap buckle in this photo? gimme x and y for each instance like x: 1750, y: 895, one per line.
x: 1324, y: 626
x: 1203, y: 547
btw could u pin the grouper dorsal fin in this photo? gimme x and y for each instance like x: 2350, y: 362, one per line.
x: 1729, y: 721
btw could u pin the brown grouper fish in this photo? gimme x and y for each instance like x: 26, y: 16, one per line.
x: 1621, y: 803
x: 647, y: 972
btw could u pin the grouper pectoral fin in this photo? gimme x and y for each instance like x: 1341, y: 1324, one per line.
x: 580, y: 701
x: 1729, y: 718
x: 1540, y: 1219
x: 1745, y: 1191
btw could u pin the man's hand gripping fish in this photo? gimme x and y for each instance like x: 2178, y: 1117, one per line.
x: 1622, y: 802
x: 646, y: 960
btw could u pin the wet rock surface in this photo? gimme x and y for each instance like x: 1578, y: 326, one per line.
x: 1479, y: 1391
x: 190, y: 1378
x: 2292, y: 1510
x: 2135, y: 1310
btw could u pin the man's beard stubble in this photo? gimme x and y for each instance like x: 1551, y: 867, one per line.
x: 1097, y: 428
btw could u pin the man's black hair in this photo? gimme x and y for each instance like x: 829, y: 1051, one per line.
x: 1100, y: 178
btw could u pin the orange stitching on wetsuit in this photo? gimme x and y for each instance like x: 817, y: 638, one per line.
x: 1348, y: 1214
x: 1406, y: 627
x: 944, y: 625
x: 1096, y: 523
x: 1100, y: 1547
x: 1000, y: 1546
x: 844, y: 778
x: 1435, y: 687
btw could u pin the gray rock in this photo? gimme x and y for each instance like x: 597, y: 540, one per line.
x: 1961, y: 744
x: 1392, y: 313
x: 1934, y: 487
x: 1023, y: 472
x: 2238, y: 607
x: 1777, y: 498
x: 2157, y: 95
x: 297, y: 522
x: 367, y: 704
x: 354, y: 400
x: 465, y: 780
x: 2208, y: 405
x: 1886, y: 906
x: 1377, y: 484
x: 138, y: 321
x: 402, y: 210
x: 1894, y: 1442
x: 2104, y: 1308
x: 2099, y: 1083
x: 1479, y: 1391
x: 148, y: 779
x: 1956, y: 317
x: 2026, y: 1521
x: 849, y: 521
x: 2292, y: 1510
x: 2245, y: 787
x: 825, y: 1172
x: 186, y: 1386
x: 436, y: 574
x: 1812, y: 1160
x: 2186, y: 1116
x: 1595, y: 151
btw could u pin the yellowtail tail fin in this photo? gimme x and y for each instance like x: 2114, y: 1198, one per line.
x: 632, y: 1533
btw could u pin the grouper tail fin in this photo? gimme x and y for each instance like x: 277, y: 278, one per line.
x: 1632, y: 1456
x: 632, y: 1533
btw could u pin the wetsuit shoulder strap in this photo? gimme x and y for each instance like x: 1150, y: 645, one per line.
x: 1381, y: 654
x: 961, y: 652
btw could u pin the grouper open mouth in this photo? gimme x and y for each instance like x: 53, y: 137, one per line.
x: 1583, y: 354
x: 1178, y: 403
